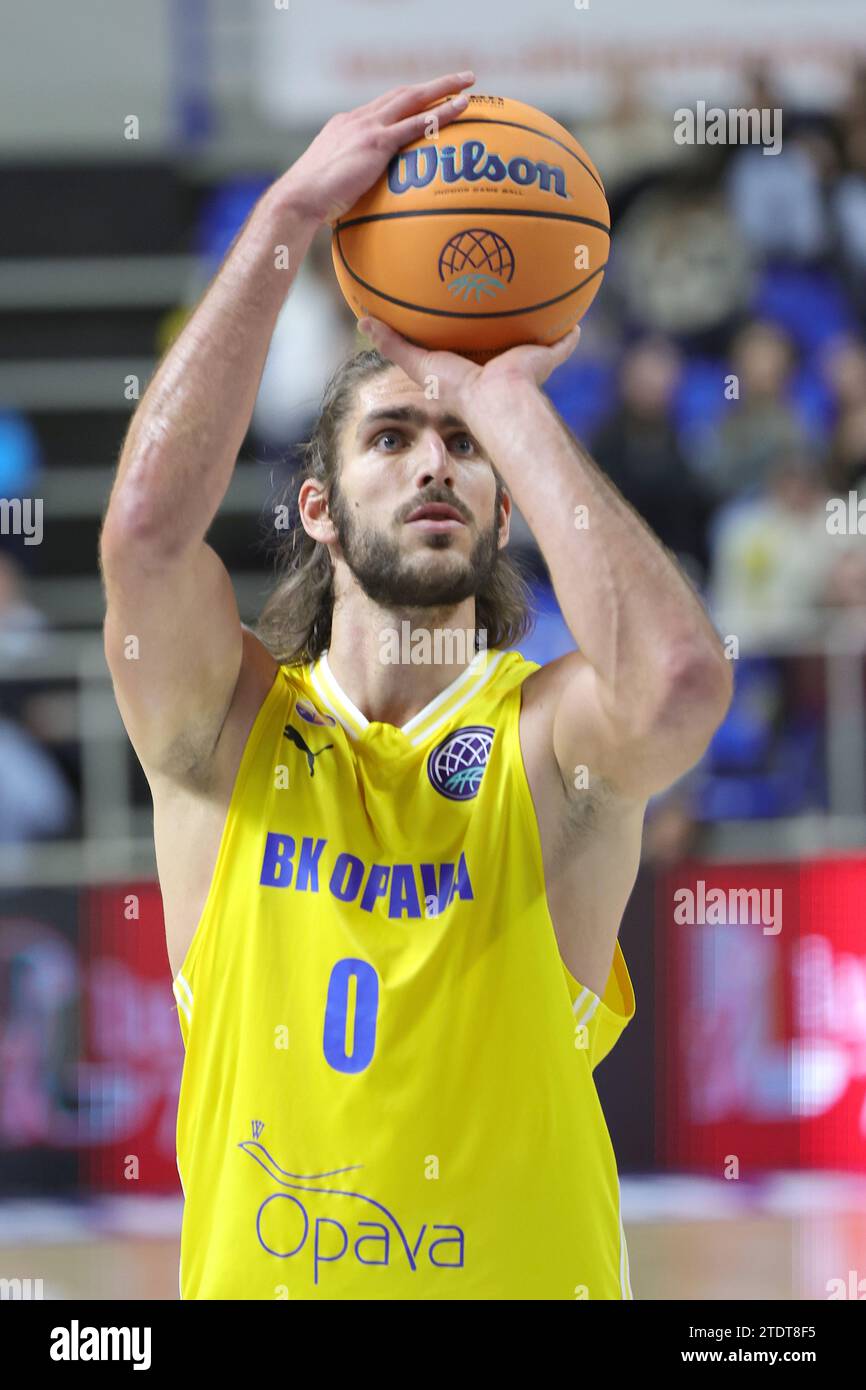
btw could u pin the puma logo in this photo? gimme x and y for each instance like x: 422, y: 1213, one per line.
x: 298, y: 740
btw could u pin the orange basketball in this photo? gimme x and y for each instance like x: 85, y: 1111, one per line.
x: 491, y: 232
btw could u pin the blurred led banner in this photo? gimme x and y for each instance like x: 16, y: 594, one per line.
x: 39, y: 1041
x: 90, y: 1045
x: 132, y: 1053
x: 315, y: 59
x: 761, y: 1012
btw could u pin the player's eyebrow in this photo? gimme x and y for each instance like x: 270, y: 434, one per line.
x: 410, y: 414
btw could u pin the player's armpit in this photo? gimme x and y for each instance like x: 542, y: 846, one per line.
x: 174, y: 643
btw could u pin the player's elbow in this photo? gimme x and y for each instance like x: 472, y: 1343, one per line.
x: 678, y: 721
x: 695, y: 696
x: 137, y: 538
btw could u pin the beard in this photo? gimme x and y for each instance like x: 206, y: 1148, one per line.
x: 387, y: 576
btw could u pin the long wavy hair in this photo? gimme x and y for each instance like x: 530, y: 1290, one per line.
x: 295, y: 622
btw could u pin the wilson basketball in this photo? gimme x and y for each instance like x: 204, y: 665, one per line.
x: 492, y: 232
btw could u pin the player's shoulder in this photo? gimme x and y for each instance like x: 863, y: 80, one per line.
x: 306, y: 695
x: 542, y: 684
x: 256, y: 654
x: 502, y: 670
x: 261, y: 668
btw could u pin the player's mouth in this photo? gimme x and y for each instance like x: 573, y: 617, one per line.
x: 435, y: 516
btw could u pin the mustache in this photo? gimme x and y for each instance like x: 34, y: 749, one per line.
x: 440, y: 495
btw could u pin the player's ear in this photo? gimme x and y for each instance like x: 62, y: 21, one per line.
x: 503, y: 518
x: 314, y: 511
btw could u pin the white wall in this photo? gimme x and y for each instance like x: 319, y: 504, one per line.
x: 71, y: 70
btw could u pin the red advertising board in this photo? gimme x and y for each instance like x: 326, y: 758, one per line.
x: 762, y: 1016
x: 132, y: 1053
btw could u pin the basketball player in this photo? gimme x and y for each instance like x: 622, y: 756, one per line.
x: 393, y: 875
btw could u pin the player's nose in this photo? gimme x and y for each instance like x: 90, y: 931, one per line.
x: 433, y: 463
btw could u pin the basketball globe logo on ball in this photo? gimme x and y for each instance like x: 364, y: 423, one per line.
x: 494, y: 231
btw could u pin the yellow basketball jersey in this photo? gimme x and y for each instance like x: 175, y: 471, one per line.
x: 387, y: 1089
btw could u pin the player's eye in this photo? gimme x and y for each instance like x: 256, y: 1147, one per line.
x: 387, y: 434
x: 465, y: 439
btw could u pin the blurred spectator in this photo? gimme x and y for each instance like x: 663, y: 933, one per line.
x: 843, y: 367
x: 854, y: 106
x: 846, y: 585
x: 767, y: 757
x: 779, y: 200
x: 773, y: 556
x: 848, y: 454
x: 23, y: 629
x: 849, y: 204
x: 638, y: 449
x: 737, y: 455
x: 778, y: 203
x: 35, y: 799
x: 680, y: 264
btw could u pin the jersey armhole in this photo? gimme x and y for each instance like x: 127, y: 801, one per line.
x: 618, y: 999
x: 599, y: 1021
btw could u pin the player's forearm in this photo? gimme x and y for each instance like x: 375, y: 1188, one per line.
x: 627, y: 603
x: 183, y: 441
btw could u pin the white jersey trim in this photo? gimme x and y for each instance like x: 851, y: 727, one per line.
x: 353, y: 720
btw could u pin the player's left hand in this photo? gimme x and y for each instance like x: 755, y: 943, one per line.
x: 460, y: 379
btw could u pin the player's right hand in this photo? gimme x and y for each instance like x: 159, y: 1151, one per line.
x: 353, y: 150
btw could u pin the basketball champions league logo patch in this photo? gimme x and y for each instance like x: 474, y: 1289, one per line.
x: 456, y: 765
